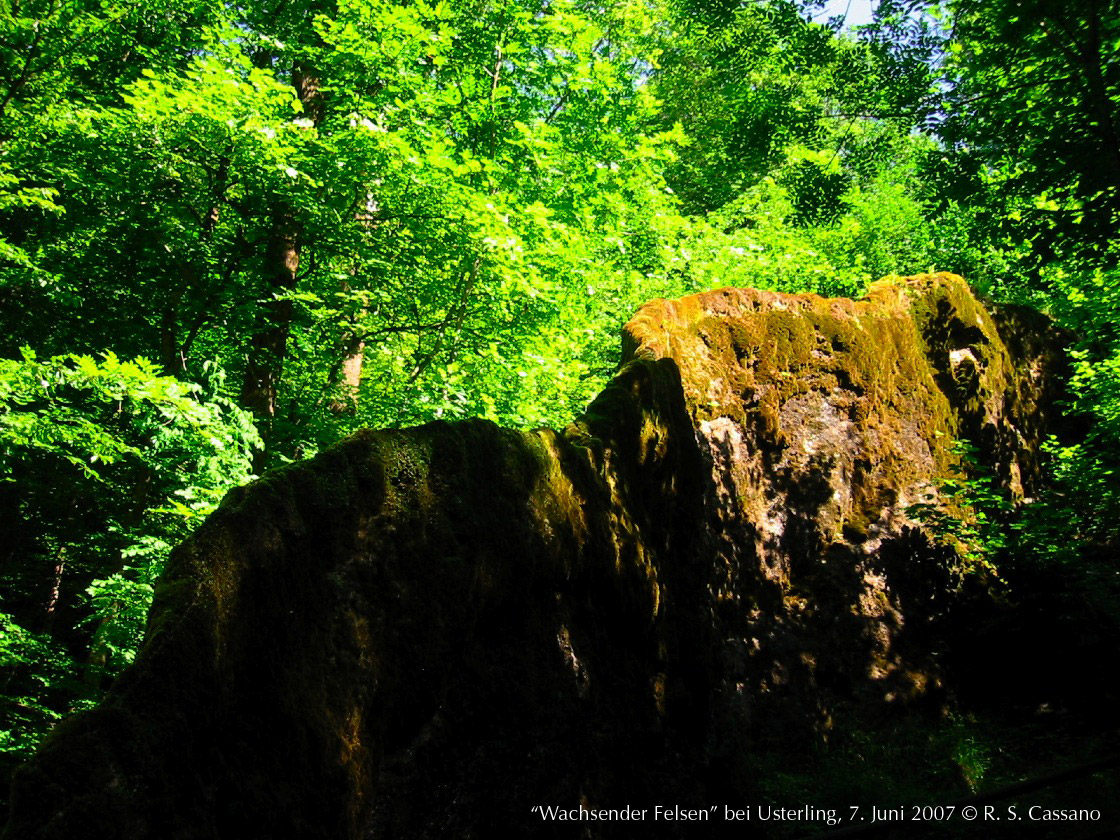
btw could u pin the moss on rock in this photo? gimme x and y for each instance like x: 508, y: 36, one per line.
x: 427, y: 632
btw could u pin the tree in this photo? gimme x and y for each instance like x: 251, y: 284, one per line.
x: 1035, y: 100
x: 105, y: 465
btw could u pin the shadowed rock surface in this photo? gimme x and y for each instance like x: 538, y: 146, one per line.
x: 425, y: 633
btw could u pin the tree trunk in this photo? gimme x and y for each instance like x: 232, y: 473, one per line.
x: 269, y: 341
x: 170, y: 352
x: 268, y: 344
x: 55, y: 589
x: 173, y: 353
x: 345, y: 377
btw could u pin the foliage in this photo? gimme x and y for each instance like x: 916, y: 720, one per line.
x: 1073, y: 528
x: 1035, y: 92
x: 320, y: 216
x: 105, y: 464
x: 35, y: 670
x: 970, y: 513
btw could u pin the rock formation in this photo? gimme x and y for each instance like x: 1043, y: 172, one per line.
x: 427, y: 632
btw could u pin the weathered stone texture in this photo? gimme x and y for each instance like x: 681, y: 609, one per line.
x: 424, y: 633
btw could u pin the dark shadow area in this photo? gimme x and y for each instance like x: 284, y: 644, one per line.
x: 675, y: 601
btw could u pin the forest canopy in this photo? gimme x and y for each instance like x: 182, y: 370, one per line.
x: 231, y: 234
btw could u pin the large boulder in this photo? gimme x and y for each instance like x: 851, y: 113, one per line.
x: 428, y: 632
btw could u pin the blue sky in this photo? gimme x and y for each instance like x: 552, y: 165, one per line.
x: 858, y: 11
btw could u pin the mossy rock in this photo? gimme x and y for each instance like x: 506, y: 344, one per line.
x: 427, y: 632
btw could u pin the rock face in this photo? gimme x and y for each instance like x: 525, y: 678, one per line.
x: 425, y: 633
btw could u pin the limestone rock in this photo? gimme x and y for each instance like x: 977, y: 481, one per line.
x: 425, y: 633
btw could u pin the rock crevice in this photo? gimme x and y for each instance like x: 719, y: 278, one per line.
x: 426, y: 632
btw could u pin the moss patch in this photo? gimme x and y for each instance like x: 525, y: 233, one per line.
x: 427, y: 632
